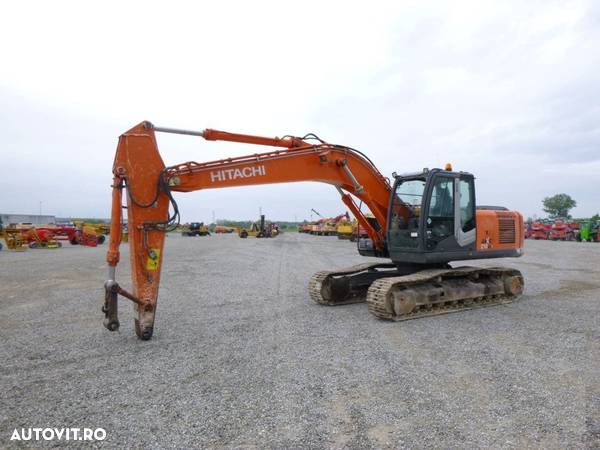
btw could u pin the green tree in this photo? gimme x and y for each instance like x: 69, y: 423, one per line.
x: 559, y: 205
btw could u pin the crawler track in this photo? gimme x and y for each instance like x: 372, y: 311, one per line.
x: 349, y: 285
x: 442, y: 291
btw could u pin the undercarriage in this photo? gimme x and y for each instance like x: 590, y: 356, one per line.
x: 395, y: 294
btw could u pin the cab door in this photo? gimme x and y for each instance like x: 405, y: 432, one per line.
x: 441, y: 212
x: 464, y: 211
x: 450, y: 220
x: 404, y: 230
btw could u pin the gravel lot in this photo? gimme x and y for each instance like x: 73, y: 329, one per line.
x: 242, y: 359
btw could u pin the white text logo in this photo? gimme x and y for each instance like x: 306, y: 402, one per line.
x: 67, y: 434
x: 233, y: 174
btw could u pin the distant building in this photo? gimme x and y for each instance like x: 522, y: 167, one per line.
x: 34, y: 219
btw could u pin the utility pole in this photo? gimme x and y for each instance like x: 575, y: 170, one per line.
x: 213, y: 215
x: 40, y: 219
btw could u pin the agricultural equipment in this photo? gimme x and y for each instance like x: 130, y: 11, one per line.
x: 422, y: 222
x: 589, y: 232
x: 195, y: 229
x: 539, y: 230
x: 562, y: 231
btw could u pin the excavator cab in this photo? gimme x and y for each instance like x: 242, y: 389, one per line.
x: 432, y: 217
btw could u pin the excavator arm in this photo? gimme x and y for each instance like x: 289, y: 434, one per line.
x: 141, y: 175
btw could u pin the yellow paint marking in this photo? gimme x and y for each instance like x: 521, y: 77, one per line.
x: 152, y: 263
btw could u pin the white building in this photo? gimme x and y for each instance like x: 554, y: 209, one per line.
x: 34, y: 219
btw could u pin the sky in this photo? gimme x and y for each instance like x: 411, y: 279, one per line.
x: 506, y: 90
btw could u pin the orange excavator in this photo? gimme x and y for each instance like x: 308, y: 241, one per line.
x: 420, y: 221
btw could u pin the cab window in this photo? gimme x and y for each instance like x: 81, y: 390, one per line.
x: 406, y: 212
x: 440, y: 220
x: 467, y: 204
x: 407, y: 203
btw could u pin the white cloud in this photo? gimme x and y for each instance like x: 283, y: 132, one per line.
x: 487, y: 85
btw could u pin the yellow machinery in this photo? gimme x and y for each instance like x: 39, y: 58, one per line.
x: 13, y: 238
x: 100, y: 229
x: 38, y: 237
x: 345, y: 228
x: 328, y: 228
x: 258, y: 229
x: 195, y: 229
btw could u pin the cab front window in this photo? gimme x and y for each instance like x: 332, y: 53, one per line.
x: 406, y: 211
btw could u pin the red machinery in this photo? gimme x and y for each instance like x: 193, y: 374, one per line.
x: 76, y: 236
x: 61, y: 233
x: 223, y: 229
x: 563, y: 231
x: 305, y: 227
x: 38, y: 237
x: 538, y: 230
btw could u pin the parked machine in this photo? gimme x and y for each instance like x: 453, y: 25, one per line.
x: 328, y: 226
x: 99, y: 230
x: 221, y: 229
x: 538, y: 230
x: 589, y: 232
x: 259, y: 229
x: 12, y: 238
x: 345, y: 228
x: 85, y: 235
x: 305, y: 227
x: 563, y: 231
x: 38, y: 237
x: 195, y: 229
x: 422, y: 222
x: 315, y: 226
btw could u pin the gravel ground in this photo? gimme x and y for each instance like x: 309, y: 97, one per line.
x: 242, y: 359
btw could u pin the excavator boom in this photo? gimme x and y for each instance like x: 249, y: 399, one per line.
x: 152, y: 210
x: 139, y: 169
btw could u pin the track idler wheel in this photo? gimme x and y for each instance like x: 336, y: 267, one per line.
x: 513, y: 285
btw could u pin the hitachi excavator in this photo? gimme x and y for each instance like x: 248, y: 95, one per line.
x: 421, y: 221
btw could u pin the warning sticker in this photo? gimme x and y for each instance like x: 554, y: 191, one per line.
x: 153, y: 257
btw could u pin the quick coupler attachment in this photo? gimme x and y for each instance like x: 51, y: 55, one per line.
x: 110, y: 309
